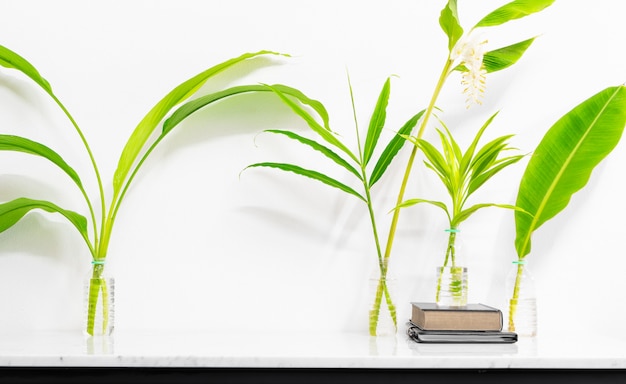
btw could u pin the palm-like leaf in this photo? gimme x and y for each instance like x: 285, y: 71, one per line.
x: 564, y: 159
x: 514, y: 10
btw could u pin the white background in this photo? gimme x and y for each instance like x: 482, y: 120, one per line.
x: 199, y: 246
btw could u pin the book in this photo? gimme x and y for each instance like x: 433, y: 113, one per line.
x: 470, y: 317
x: 450, y: 337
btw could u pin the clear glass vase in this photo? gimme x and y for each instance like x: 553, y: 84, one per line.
x: 522, y: 305
x: 382, y: 312
x: 452, y: 281
x: 99, y: 301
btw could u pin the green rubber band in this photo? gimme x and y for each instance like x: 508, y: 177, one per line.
x: 453, y: 230
x: 98, y: 262
x: 519, y: 262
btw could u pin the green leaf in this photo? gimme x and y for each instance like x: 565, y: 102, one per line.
x: 449, y: 21
x: 564, y: 159
x: 326, y: 134
x: 21, y: 144
x: 479, y: 179
x: 469, y: 153
x: 466, y: 213
x: 13, y: 211
x: 433, y: 156
x: 392, y: 149
x: 10, y: 59
x: 148, y: 124
x: 318, y: 147
x: 311, y: 174
x: 377, y: 122
x: 504, y: 57
x: 411, y: 202
x: 514, y: 10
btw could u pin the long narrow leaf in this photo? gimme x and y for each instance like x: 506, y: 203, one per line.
x: 10, y: 59
x: 377, y: 122
x: 478, y: 180
x: 311, y: 174
x: 326, y: 134
x: 564, y: 159
x: 193, y: 106
x: 463, y: 215
x: 412, y: 202
x: 21, y: 144
x: 13, y: 211
x: 504, y: 57
x: 148, y: 124
x: 514, y: 10
x: 318, y: 147
x: 469, y: 153
x: 392, y: 149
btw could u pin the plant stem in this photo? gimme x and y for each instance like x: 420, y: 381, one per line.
x: 396, y: 213
x: 515, y: 297
x: 97, y: 284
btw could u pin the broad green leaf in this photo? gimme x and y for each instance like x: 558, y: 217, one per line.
x: 318, y: 147
x: 449, y: 21
x: 148, y: 124
x: 514, y: 10
x: 392, y: 149
x: 311, y: 174
x: 504, y: 57
x: 21, y: 144
x: 326, y: 134
x: 13, y: 211
x: 189, y: 108
x: 10, y: 59
x: 564, y: 159
x: 377, y: 122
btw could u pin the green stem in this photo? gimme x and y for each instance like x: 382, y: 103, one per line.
x: 95, y: 168
x: 97, y: 285
x: 396, y: 212
x: 515, y: 297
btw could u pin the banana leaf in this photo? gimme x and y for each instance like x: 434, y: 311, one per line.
x: 564, y: 159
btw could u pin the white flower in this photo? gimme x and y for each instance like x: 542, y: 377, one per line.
x: 469, y: 52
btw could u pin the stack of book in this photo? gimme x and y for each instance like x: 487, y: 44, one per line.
x: 471, y: 323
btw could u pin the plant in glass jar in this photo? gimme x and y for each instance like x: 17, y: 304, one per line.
x: 462, y: 174
x: 357, y: 164
x: 560, y: 166
x: 96, y: 231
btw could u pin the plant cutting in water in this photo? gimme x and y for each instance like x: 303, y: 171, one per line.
x: 462, y: 174
x: 357, y: 164
x: 467, y: 54
x: 562, y: 164
x: 137, y: 149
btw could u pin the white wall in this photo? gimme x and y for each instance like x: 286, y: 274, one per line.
x: 198, y: 247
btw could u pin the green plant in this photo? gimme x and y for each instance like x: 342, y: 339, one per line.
x: 356, y: 164
x: 462, y: 174
x: 467, y: 54
x: 562, y: 164
x: 137, y: 149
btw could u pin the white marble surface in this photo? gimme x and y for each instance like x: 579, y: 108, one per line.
x: 305, y: 350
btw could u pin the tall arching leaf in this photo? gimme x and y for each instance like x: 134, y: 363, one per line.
x: 10, y: 59
x: 149, y: 123
x: 21, y: 144
x: 13, y: 211
x: 564, y: 159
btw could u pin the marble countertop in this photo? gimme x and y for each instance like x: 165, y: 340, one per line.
x: 301, y: 350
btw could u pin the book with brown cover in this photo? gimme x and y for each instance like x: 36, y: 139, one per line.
x: 470, y: 317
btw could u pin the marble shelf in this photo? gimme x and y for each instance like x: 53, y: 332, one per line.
x: 21, y: 353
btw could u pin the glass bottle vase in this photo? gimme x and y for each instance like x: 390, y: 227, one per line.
x: 522, y: 305
x: 452, y: 280
x: 99, y: 301
x: 382, y: 310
